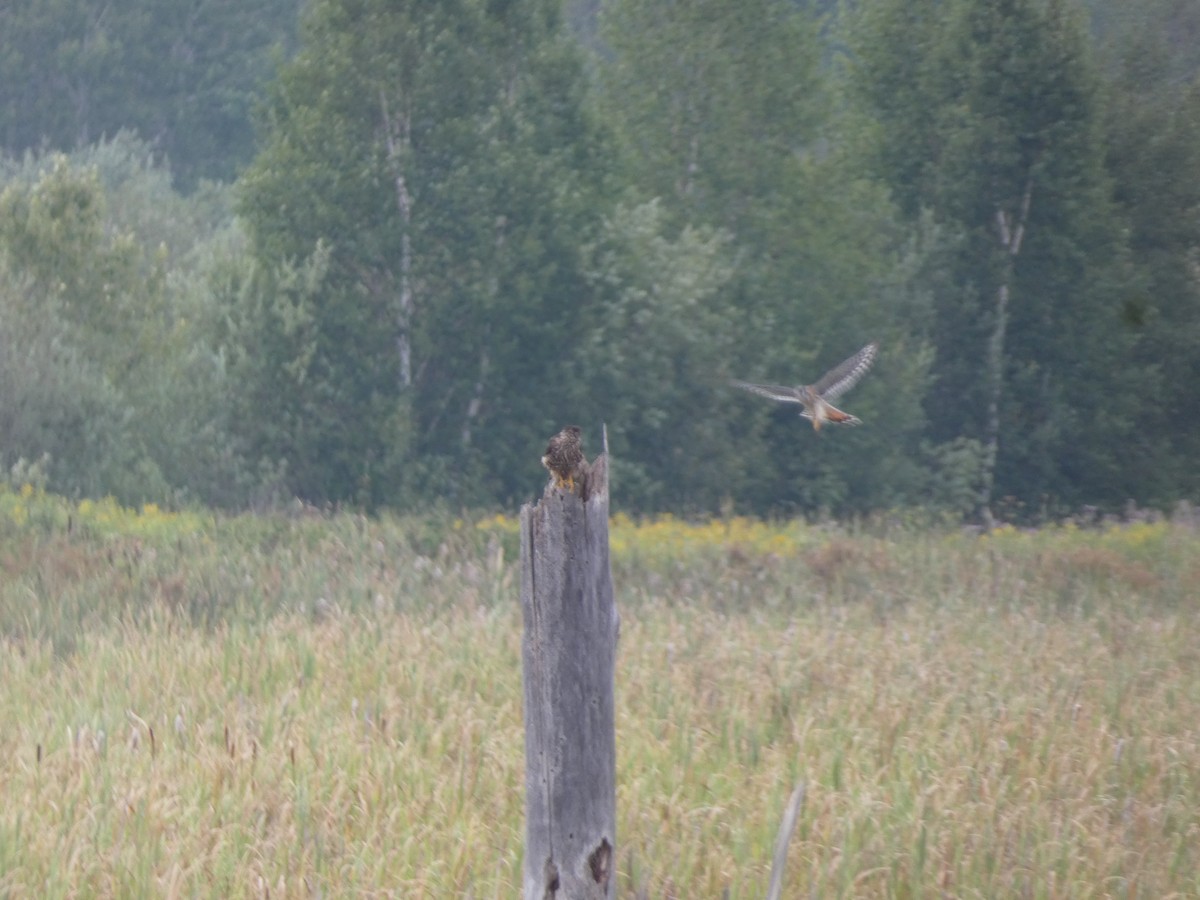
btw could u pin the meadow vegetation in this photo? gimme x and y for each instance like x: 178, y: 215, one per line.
x: 320, y: 704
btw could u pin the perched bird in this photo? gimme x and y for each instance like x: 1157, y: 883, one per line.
x: 816, y: 398
x: 564, y: 457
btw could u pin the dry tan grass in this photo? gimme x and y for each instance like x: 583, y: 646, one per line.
x: 332, y: 708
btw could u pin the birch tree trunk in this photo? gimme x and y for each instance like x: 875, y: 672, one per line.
x: 1010, y: 234
x: 398, y: 133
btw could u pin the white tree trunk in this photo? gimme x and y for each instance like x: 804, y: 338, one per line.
x: 1010, y: 233
x: 398, y: 133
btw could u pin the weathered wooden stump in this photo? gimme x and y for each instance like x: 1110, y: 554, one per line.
x: 568, y: 657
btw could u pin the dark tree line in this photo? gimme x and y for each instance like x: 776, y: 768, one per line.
x: 185, y: 75
x: 465, y: 224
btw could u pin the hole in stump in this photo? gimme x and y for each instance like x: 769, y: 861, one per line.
x: 600, y: 862
x: 551, y: 878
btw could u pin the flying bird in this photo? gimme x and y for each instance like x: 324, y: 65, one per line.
x: 817, y: 398
x: 564, y: 457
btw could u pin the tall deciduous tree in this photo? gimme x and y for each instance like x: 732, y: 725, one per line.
x: 723, y: 111
x: 442, y: 154
x: 987, y: 114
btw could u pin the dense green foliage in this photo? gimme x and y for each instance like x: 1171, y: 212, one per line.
x: 106, y: 319
x: 468, y: 223
x: 987, y: 118
x: 443, y: 157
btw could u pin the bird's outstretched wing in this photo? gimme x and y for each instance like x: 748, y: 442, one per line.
x: 774, y: 391
x: 842, y: 377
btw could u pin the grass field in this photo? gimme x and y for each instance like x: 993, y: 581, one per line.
x: 327, y: 705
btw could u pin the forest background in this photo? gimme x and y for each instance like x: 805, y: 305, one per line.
x: 373, y: 253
